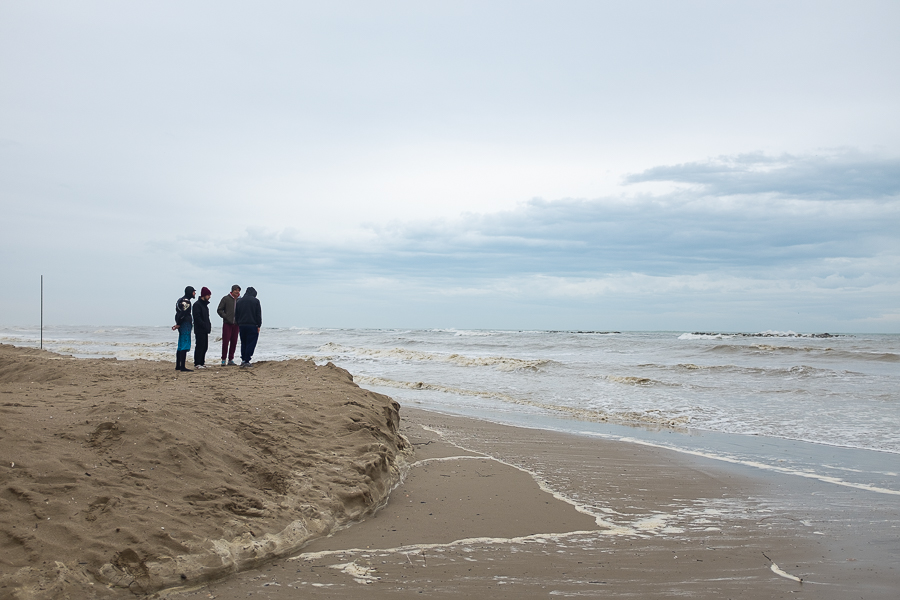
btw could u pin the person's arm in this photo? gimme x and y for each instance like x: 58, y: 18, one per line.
x: 221, y: 310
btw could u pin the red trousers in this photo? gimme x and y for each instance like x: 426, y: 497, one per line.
x: 229, y: 339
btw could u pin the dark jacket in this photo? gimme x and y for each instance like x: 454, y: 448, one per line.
x: 183, y: 310
x: 226, y: 308
x: 248, y: 311
x: 201, y: 317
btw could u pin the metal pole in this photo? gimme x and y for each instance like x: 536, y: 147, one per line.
x: 42, y: 312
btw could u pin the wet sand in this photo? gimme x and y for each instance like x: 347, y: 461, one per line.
x: 246, y: 471
x: 503, y: 512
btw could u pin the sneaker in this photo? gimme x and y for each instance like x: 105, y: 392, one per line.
x: 246, y: 365
x: 223, y: 362
x: 231, y: 363
x: 199, y: 366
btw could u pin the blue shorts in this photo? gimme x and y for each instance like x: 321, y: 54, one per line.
x: 184, y: 337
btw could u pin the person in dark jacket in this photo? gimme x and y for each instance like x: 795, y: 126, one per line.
x: 183, y: 325
x: 202, y: 327
x: 230, y: 329
x: 248, y: 314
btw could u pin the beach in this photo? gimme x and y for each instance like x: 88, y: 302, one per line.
x: 494, y: 511
x: 288, y: 480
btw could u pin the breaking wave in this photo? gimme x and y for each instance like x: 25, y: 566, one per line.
x: 631, y: 380
x: 700, y: 335
x: 502, y: 363
x: 831, y: 352
x: 646, y: 417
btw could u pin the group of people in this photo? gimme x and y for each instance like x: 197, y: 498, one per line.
x: 241, y: 318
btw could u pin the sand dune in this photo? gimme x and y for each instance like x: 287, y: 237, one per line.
x: 120, y: 475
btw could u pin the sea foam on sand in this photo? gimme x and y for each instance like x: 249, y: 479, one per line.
x: 128, y: 475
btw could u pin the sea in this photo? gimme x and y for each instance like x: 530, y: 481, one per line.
x: 815, y: 405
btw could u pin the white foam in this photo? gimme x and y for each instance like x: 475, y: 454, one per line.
x: 647, y: 417
x: 539, y: 538
x: 756, y: 464
x: 360, y: 574
x: 501, y: 362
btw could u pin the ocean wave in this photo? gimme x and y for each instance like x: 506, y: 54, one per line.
x: 500, y: 362
x: 832, y: 352
x: 12, y: 338
x: 632, y: 380
x: 796, y: 370
x: 146, y: 355
x: 647, y: 417
x: 757, y: 348
x: 699, y: 335
x: 72, y: 343
x: 81, y: 351
x: 771, y: 348
x: 582, y: 332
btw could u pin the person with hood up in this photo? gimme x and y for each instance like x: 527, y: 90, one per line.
x: 183, y: 324
x: 248, y: 314
x: 202, y: 327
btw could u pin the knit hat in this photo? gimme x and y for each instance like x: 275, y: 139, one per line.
x: 205, y: 292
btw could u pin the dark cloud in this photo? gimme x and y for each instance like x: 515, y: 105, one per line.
x: 839, y: 176
x: 709, y: 229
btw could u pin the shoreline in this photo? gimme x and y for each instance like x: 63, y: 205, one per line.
x: 490, y: 508
x: 865, y: 469
x: 591, y: 518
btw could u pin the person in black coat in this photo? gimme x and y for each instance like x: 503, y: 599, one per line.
x: 183, y: 326
x: 248, y: 314
x: 202, y: 327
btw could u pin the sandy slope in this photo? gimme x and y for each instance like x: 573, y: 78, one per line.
x: 125, y: 475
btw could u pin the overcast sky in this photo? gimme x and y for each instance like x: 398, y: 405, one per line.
x: 488, y: 164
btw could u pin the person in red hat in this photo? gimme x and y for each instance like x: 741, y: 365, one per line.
x: 202, y: 328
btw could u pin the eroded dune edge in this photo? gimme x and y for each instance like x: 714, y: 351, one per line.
x: 121, y: 476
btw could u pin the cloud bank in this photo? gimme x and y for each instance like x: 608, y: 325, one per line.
x: 786, y: 230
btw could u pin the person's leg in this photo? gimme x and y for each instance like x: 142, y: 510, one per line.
x: 202, y: 344
x: 233, y: 337
x: 182, y: 358
x: 184, y: 345
x: 252, y: 338
x: 205, y: 348
x: 244, y: 343
x: 226, y: 337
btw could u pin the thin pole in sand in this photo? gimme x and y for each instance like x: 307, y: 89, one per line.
x: 42, y: 312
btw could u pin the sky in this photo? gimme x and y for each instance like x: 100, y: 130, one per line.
x: 589, y: 165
